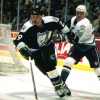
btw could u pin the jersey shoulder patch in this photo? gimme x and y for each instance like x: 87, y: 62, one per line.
x: 49, y: 19
x: 26, y: 26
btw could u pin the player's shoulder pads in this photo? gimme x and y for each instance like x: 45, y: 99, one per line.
x: 49, y: 19
x: 26, y: 26
x: 73, y: 19
x: 83, y: 24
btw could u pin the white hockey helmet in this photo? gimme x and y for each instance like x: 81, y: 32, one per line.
x: 81, y: 8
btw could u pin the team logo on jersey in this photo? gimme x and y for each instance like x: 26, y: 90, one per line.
x: 55, y: 19
x: 24, y: 27
x: 42, y: 38
x: 82, y: 27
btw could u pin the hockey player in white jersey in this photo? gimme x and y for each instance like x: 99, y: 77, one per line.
x: 83, y: 40
x: 34, y: 40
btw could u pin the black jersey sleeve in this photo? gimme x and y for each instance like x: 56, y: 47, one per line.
x: 18, y: 39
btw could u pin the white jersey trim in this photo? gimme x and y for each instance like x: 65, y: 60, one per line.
x: 26, y: 26
x: 48, y: 19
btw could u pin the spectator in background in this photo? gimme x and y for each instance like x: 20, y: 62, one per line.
x: 94, y: 11
x: 52, y: 8
x: 5, y: 19
x: 22, y: 4
x: 72, y: 6
x: 7, y: 11
x: 27, y: 1
x: 96, y: 25
x: 10, y: 9
x: 29, y: 4
x: 14, y: 11
x: 78, y: 2
x: 41, y: 7
x: 26, y: 12
x: 59, y: 10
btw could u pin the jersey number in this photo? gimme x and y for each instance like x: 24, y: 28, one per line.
x: 19, y: 37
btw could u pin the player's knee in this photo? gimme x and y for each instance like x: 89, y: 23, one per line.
x: 69, y: 62
x: 52, y: 74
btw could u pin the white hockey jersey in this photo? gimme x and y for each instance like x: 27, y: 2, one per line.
x: 84, y: 30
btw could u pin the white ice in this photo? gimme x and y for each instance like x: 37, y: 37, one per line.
x: 84, y: 85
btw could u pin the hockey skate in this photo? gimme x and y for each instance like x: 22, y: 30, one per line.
x: 62, y: 90
x: 66, y: 90
x: 59, y: 91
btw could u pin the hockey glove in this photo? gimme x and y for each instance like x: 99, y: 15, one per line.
x: 72, y: 38
x: 25, y: 53
x: 58, y: 38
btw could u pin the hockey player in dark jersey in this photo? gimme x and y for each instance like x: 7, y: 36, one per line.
x: 84, y: 44
x: 34, y: 40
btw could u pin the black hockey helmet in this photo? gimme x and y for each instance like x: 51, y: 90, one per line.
x: 36, y: 11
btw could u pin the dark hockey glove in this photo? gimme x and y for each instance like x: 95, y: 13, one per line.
x: 58, y: 38
x: 72, y: 38
x: 25, y: 53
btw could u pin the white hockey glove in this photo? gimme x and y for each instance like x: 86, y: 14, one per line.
x: 25, y: 53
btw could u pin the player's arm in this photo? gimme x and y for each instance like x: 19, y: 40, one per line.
x: 72, y: 37
x: 18, y: 39
x: 62, y: 30
x: 23, y: 48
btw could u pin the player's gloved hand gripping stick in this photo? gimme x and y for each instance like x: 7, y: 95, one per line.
x: 25, y: 53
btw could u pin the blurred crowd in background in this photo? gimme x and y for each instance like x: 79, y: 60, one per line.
x: 57, y: 8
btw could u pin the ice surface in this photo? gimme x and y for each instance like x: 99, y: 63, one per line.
x: 84, y: 86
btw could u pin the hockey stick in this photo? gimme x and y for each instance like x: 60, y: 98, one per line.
x: 32, y: 74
